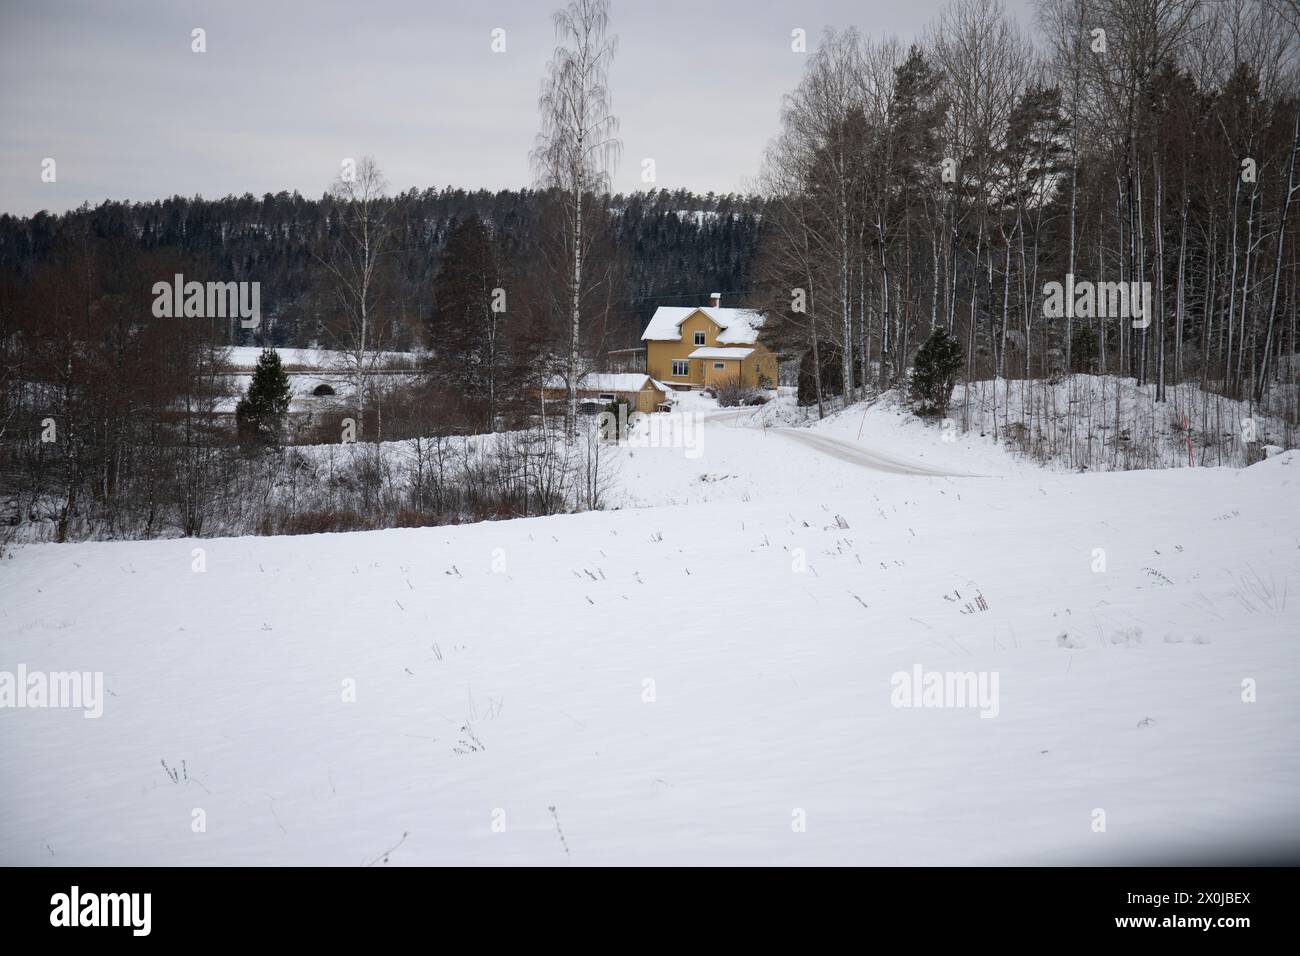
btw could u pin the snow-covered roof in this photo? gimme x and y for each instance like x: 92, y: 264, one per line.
x: 739, y: 326
x: 669, y: 396
x: 605, y: 382
x: 715, y: 353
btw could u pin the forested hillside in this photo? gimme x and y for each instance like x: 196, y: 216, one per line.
x: 670, y: 247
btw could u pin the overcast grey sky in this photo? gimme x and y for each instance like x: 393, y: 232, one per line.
x: 288, y: 88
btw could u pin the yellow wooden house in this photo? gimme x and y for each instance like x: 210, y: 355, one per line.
x: 695, y: 347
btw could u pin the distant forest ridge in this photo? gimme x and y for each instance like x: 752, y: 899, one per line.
x: 671, y: 247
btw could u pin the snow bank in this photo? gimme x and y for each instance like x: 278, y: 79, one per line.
x: 1105, y: 423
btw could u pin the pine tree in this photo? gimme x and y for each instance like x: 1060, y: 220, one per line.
x: 261, y: 412
x: 935, y: 372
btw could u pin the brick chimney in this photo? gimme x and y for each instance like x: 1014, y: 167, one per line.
x: 715, y: 300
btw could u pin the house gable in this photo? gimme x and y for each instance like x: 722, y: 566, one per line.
x: 699, y: 329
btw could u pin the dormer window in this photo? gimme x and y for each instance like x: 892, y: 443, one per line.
x: 699, y: 338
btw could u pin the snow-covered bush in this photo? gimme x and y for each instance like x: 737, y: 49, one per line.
x: 731, y: 394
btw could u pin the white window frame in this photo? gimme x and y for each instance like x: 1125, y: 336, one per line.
x: 699, y: 338
x: 607, y: 396
x: 719, y: 364
x: 684, y: 364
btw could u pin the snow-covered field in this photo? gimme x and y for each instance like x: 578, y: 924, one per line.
x: 246, y: 356
x: 307, y: 369
x: 709, y: 674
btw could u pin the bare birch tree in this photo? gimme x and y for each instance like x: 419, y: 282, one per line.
x: 359, y: 243
x: 577, y: 147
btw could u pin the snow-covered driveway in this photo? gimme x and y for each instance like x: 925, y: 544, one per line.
x: 858, y: 454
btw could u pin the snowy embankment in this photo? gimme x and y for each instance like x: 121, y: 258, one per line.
x: 1077, y: 423
x: 1107, y: 423
x: 707, y: 682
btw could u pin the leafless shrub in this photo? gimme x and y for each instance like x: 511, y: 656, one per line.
x: 731, y: 393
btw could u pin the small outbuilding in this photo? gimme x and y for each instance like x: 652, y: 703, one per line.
x: 598, y: 389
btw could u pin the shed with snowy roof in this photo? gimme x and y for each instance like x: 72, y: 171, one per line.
x: 597, y: 389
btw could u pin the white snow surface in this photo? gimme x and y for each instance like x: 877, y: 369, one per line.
x: 669, y: 681
x: 721, y: 353
x: 246, y: 356
x: 604, y: 381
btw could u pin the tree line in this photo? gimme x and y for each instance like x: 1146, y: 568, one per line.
x: 675, y: 243
x: 945, y: 183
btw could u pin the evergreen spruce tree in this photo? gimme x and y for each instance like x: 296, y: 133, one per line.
x: 469, y: 334
x: 935, y: 372
x: 260, y: 414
